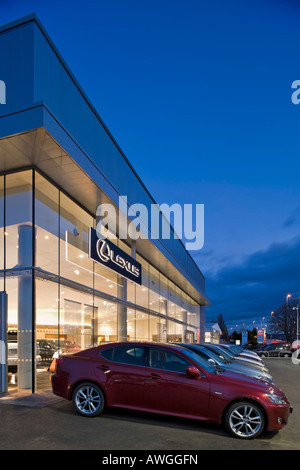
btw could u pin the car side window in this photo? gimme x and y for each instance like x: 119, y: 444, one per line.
x: 107, y: 354
x: 167, y: 360
x: 134, y: 355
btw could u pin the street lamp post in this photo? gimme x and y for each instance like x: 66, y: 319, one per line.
x: 297, y: 323
x: 297, y: 309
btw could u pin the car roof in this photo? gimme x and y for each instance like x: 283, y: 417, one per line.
x: 143, y: 343
x: 102, y: 347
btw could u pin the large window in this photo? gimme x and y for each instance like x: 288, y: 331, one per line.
x: 74, y: 239
x: 46, y: 225
x: 46, y: 329
x: 59, y: 299
x: 19, y: 237
x: 77, y: 313
x: 18, y: 219
x: 105, y: 320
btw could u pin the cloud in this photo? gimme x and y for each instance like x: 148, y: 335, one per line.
x: 250, y: 290
x: 293, y: 219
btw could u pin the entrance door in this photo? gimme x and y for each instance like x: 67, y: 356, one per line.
x: 189, y: 336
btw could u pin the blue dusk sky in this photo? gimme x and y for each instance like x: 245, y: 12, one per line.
x: 198, y: 95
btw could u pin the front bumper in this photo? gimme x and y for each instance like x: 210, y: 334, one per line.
x: 278, y: 416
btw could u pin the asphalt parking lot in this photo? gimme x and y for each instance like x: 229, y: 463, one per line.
x: 57, y: 426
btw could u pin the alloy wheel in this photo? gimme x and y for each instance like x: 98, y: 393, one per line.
x: 245, y: 420
x: 88, y: 400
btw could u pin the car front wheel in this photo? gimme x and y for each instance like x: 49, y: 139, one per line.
x: 88, y: 399
x: 245, y: 420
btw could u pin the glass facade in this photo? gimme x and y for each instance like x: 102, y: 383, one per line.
x: 59, y: 299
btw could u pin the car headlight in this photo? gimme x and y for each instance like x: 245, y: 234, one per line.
x: 276, y: 399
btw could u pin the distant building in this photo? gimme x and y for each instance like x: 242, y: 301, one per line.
x: 213, y: 334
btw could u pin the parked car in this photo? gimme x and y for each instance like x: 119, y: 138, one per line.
x: 264, y: 346
x: 223, y: 363
x: 63, y: 346
x: 261, y: 348
x: 168, y: 379
x: 47, y: 350
x: 276, y: 350
x: 12, y: 356
x: 67, y: 346
x: 236, y: 359
x: 238, y: 351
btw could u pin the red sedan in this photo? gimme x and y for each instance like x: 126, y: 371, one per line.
x: 168, y: 379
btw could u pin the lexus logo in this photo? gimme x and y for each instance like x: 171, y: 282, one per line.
x: 106, y: 254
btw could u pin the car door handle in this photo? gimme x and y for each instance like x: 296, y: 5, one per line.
x: 103, y: 367
x: 154, y: 376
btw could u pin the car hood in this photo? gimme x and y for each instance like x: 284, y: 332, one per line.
x: 243, y: 369
x: 249, y: 357
x: 246, y: 363
x: 238, y: 379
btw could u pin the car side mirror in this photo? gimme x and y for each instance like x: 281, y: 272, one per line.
x: 192, y: 371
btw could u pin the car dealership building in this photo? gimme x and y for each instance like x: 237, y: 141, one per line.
x: 58, y: 162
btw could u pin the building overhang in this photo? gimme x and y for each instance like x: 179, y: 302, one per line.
x: 48, y: 123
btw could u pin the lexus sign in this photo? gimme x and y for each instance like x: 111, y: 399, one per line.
x: 103, y: 251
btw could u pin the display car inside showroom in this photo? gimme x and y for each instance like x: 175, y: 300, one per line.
x: 58, y: 162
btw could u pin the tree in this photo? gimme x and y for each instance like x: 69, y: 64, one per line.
x: 252, y: 337
x: 283, y: 320
x: 235, y: 336
x: 223, y: 327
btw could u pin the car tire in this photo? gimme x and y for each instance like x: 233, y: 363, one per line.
x: 263, y: 355
x: 88, y: 399
x: 245, y: 420
x: 285, y: 355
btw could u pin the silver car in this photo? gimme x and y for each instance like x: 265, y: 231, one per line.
x: 237, y: 359
x: 223, y: 363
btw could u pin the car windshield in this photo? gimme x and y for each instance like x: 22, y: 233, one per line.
x: 222, y: 352
x: 228, y: 352
x: 234, y: 349
x: 209, y: 354
x: 201, y: 362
